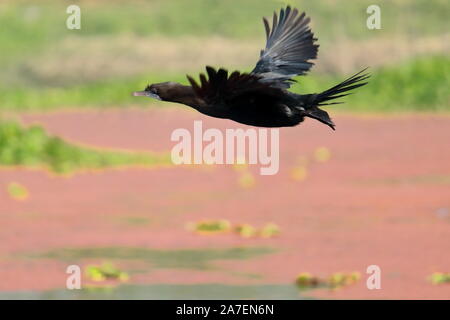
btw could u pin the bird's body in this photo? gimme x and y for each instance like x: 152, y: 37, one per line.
x: 261, y: 110
x: 261, y: 98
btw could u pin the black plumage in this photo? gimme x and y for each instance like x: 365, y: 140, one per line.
x: 260, y: 98
x: 289, y: 47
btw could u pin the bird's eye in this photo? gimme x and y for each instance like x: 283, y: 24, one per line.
x: 153, y: 90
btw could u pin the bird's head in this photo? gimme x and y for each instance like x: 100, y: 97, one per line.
x: 162, y: 91
x: 170, y: 92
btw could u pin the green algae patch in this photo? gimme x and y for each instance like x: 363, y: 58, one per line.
x: 33, y: 147
x: 165, y: 291
x: 176, y: 258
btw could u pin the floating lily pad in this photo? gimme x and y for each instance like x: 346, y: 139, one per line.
x: 269, y: 230
x: 440, y: 278
x: 322, y: 154
x: 305, y: 279
x: 17, y: 191
x: 210, y: 226
x: 105, y: 271
x: 245, y: 230
x: 247, y: 180
x: 336, y: 280
x: 299, y: 173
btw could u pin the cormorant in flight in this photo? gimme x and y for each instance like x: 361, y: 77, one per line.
x: 260, y: 98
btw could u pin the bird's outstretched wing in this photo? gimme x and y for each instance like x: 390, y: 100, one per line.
x: 290, y: 45
x: 219, y: 87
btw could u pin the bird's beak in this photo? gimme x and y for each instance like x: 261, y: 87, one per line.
x: 140, y: 93
x: 146, y: 94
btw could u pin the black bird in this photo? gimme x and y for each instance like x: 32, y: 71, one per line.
x: 260, y: 98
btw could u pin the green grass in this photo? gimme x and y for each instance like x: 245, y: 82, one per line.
x: 98, y: 94
x: 29, y: 27
x: 417, y: 85
x: 34, y: 148
x: 33, y: 29
x: 32, y: 23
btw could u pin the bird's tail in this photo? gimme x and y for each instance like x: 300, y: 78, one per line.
x: 341, y: 90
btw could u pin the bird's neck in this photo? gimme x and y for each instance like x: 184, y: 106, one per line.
x: 184, y: 95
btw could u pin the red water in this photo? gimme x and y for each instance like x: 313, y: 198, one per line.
x: 382, y: 198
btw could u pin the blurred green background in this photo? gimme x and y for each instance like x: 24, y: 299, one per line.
x: 122, y: 46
